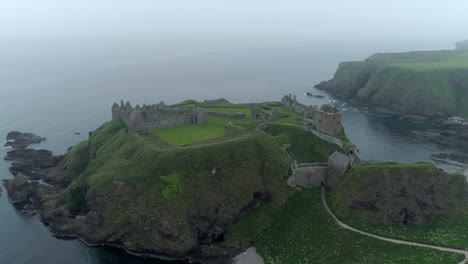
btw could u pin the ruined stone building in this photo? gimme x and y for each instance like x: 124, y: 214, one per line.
x: 326, y: 120
x: 308, y: 175
x: 146, y: 118
x: 338, y: 164
x: 258, y: 113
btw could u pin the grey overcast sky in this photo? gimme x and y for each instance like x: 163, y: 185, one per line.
x: 327, y: 19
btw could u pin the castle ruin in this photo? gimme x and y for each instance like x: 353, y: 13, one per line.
x: 146, y: 118
x: 326, y: 120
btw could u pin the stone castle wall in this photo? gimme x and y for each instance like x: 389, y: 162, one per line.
x: 156, y: 116
x: 329, y: 123
x: 308, y: 177
x: 227, y: 115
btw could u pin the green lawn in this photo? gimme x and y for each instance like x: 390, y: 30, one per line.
x: 302, y: 232
x: 215, y: 127
x: 189, y: 134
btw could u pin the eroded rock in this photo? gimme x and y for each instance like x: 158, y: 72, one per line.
x: 17, y: 139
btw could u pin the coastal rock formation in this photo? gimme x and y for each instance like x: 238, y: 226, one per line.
x: 123, y: 189
x: 17, y: 139
x: 452, y: 131
x: 38, y: 165
x: 399, y: 193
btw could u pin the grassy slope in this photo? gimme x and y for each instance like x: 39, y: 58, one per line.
x: 431, y: 83
x: 306, y: 146
x: 444, y: 231
x: 302, y: 232
x: 137, y: 181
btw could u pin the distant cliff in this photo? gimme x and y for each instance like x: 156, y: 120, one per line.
x: 462, y: 45
x: 431, y: 84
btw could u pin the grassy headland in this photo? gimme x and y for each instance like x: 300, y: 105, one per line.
x: 426, y: 83
x: 184, y: 189
x: 188, y: 181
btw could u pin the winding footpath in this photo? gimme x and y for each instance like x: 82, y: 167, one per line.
x: 391, y: 240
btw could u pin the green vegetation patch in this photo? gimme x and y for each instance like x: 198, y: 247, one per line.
x: 215, y: 127
x: 172, y: 186
x: 306, y: 146
x: 302, y: 232
x: 193, y: 133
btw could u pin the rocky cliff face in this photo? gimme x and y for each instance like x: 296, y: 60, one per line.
x: 131, y: 191
x: 399, y: 193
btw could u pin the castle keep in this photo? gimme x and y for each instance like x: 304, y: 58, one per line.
x: 326, y: 120
x: 146, y: 118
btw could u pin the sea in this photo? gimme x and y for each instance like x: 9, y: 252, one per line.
x: 64, y: 88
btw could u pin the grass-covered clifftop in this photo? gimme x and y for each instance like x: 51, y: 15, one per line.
x: 426, y: 83
x: 208, y: 190
x: 176, y: 190
x: 152, y: 196
x: 414, y: 202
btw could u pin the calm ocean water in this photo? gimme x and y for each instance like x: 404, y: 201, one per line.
x: 55, y: 88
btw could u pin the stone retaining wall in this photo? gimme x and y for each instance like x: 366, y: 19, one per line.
x: 327, y: 138
x: 308, y: 177
x: 226, y: 115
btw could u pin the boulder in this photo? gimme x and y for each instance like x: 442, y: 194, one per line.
x: 17, y: 139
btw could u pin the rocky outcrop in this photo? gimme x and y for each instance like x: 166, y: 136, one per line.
x: 38, y: 165
x: 17, y: 139
x: 398, y: 193
x: 176, y: 213
x: 452, y: 132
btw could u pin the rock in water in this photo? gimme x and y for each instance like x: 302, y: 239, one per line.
x: 17, y: 139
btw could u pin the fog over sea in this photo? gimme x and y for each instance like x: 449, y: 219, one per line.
x: 64, y: 63
x: 58, y: 88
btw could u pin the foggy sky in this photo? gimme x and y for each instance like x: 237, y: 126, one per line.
x: 329, y: 20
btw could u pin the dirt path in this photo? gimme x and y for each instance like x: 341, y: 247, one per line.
x: 391, y: 240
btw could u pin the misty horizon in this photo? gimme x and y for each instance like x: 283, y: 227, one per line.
x: 356, y: 21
